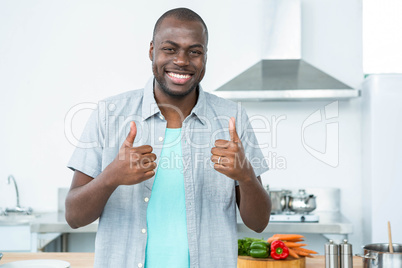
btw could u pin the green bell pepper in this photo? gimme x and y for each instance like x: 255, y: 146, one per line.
x: 259, y: 249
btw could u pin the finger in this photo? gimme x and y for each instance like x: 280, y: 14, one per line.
x: 142, y: 161
x: 215, y: 158
x: 220, y: 160
x: 219, y: 151
x: 148, y: 166
x: 141, y: 153
x: 148, y: 157
x: 221, y: 168
x: 232, y: 130
x: 143, y: 149
x: 143, y: 166
x: 131, y: 135
x: 222, y: 143
x: 149, y: 174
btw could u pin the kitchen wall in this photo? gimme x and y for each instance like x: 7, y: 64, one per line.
x: 382, y: 36
x: 292, y: 164
x: 55, y: 55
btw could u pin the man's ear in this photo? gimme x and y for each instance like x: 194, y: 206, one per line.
x: 151, y: 50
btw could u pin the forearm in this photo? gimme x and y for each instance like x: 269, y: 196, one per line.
x: 85, y: 203
x: 254, y: 204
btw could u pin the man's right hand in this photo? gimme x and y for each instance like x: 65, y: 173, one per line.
x: 132, y: 165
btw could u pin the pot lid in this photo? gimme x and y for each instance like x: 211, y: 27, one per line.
x: 301, y: 194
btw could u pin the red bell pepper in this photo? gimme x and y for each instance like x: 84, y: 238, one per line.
x: 279, y: 250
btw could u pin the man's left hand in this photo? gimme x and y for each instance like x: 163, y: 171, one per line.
x: 229, y: 157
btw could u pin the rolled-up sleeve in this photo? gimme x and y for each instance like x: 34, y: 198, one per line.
x: 251, y: 146
x: 87, y: 156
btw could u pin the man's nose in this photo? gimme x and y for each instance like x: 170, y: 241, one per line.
x: 181, y: 59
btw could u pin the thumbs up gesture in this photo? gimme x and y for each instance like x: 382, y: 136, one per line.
x: 229, y: 156
x: 132, y: 165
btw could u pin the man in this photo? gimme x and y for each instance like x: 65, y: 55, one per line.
x: 166, y: 195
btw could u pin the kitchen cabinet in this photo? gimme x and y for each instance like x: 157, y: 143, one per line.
x: 50, y: 226
x: 15, y: 238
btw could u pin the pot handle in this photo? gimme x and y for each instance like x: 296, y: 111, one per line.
x: 367, y: 256
x: 308, y: 198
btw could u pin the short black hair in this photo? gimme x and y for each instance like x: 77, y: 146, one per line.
x: 183, y: 14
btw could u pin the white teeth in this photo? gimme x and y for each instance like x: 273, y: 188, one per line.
x: 180, y: 76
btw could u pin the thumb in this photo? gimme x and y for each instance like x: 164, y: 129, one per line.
x: 131, y: 135
x: 232, y: 130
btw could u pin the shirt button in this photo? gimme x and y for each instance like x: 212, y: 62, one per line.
x: 143, y: 231
x: 140, y: 265
x: 146, y: 199
x: 160, y: 138
x: 161, y: 117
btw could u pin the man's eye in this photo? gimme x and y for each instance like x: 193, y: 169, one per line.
x: 195, y: 52
x: 168, y: 49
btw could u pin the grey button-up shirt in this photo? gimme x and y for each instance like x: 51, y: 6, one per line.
x: 209, y: 195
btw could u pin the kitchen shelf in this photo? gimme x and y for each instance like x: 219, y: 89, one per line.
x: 56, y: 223
x: 329, y: 223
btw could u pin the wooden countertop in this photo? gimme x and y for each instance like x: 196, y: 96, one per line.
x: 76, y: 260
x: 319, y: 262
x: 86, y: 260
x: 316, y: 262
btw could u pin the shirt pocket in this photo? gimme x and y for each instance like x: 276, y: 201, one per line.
x: 218, y: 187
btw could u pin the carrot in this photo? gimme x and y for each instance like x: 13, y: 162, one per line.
x: 307, y: 250
x: 293, y: 253
x: 272, y: 239
x: 310, y: 256
x: 295, y: 240
x: 301, y: 253
x: 294, y: 244
x: 287, y: 237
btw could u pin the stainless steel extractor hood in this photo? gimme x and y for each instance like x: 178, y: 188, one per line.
x: 282, y: 74
x: 284, y: 80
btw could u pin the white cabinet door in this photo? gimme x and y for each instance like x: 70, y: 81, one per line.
x: 15, y: 238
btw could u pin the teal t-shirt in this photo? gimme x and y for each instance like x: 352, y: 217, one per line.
x: 167, y: 243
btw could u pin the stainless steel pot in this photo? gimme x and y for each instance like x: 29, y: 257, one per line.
x: 378, y: 256
x: 277, y: 201
x: 302, y: 202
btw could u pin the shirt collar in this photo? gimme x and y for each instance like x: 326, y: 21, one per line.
x: 150, y: 107
x: 199, y: 109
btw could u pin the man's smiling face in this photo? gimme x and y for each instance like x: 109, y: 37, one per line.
x: 179, y: 54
